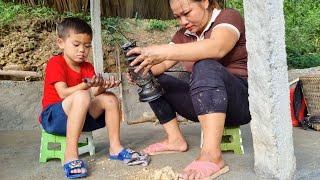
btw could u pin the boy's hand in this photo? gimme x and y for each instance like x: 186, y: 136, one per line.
x: 110, y: 82
x: 95, y: 81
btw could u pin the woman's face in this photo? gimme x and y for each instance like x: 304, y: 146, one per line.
x: 190, y: 14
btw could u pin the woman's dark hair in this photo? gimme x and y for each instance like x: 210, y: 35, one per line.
x: 212, y: 3
x: 79, y: 26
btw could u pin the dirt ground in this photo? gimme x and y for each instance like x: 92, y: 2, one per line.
x: 20, y: 156
x: 29, y: 44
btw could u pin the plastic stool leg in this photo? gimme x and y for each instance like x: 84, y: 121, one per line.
x: 201, y: 140
x: 91, y: 146
x: 237, y: 142
x: 45, y: 153
x: 60, y: 153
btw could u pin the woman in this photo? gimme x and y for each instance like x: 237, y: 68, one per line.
x: 211, y: 45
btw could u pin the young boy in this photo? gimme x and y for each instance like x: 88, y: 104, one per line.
x: 72, y: 105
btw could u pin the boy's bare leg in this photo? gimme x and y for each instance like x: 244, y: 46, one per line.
x: 76, y: 107
x: 109, y: 103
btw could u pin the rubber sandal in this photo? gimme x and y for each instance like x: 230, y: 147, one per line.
x: 72, y: 165
x: 131, y: 158
x: 206, y: 169
x: 123, y: 154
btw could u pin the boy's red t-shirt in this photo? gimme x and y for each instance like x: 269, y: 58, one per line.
x: 57, y: 70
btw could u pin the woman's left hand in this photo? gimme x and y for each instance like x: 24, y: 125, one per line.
x: 148, y: 56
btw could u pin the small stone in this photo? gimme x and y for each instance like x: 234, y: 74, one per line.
x: 145, y: 169
x: 2, y: 62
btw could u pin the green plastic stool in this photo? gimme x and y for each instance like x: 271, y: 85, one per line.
x: 49, y: 143
x: 231, y: 140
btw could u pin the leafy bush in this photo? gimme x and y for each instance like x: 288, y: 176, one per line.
x: 302, y: 32
x: 10, y: 12
x: 302, y: 18
x: 306, y: 61
x: 43, y: 12
x: 155, y: 24
x: 115, y: 29
x: 235, y: 4
x: 83, y: 16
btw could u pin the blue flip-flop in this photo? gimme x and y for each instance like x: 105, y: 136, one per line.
x: 123, y: 155
x: 130, y: 157
x: 72, y: 165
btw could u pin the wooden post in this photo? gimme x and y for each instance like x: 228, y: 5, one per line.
x: 95, y: 12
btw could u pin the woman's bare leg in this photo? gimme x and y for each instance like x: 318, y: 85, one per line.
x: 212, y: 126
x: 174, y: 140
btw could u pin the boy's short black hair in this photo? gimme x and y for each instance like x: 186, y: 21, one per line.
x: 79, y: 26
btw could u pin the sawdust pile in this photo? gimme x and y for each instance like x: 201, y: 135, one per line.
x: 165, y: 173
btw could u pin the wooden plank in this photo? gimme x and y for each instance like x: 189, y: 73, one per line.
x: 316, y: 126
x: 20, y: 73
x: 95, y: 13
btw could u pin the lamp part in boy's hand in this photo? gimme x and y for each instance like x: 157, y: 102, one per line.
x: 99, y: 81
x: 95, y: 81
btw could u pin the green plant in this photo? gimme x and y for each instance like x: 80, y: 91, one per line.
x: 236, y: 4
x: 302, y: 32
x: 302, y: 23
x: 305, y: 61
x: 172, y: 22
x: 41, y: 12
x: 155, y: 24
x: 9, y: 11
x: 83, y: 16
x: 114, y: 29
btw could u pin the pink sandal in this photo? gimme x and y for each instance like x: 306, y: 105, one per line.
x: 159, y: 148
x: 206, y: 169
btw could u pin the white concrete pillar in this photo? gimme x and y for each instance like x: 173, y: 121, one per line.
x: 269, y: 89
x: 95, y: 13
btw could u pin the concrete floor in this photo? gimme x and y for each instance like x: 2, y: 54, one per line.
x: 19, y: 153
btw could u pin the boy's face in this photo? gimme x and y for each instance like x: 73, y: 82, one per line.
x: 76, y: 47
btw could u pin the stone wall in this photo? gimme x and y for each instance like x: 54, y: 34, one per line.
x: 20, y: 104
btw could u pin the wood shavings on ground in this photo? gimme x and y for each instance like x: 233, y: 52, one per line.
x: 165, y: 173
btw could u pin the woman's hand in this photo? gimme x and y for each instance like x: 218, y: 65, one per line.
x: 148, y: 56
